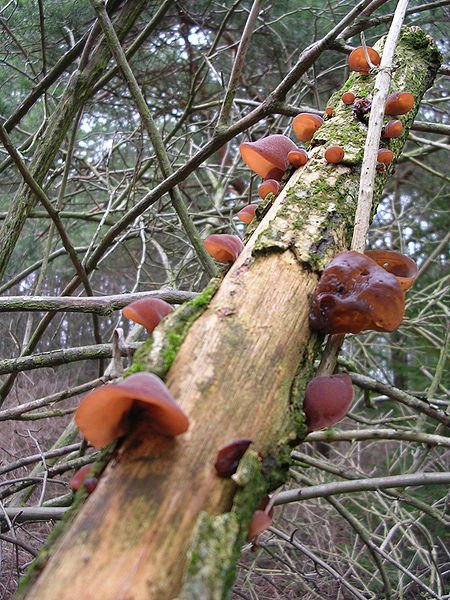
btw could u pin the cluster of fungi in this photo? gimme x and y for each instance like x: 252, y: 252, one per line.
x: 356, y: 292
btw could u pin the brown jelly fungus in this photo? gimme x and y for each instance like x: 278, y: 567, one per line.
x: 267, y: 157
x: 224, y: 247
x: 228, y: 457
x: 327, y: 400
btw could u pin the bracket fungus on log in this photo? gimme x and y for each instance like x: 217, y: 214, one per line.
x: 392, y: 129
x: 348, y: 98
x: 103, y: 415
x: 327, y: 400
x: 385, y: 156
x: 356, y: 294
x: 260, y: 521
x: 403, y: 267
x: 267, y: 157
x: 81, y: 477
x: 147, y: 312
x: 229, y: 456
x: 223, y: 247
x: 268, y: 186
x: 298, y: 158
x: 398, y: 103
x: 334, y: 154
x: 305, y: 125
x: 357, y: 60
x: 247, y: 214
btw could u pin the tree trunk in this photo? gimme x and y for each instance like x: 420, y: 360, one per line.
x: 161, y: 524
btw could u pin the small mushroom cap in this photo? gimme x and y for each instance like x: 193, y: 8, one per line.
x: 305, y: 126
x: 327, y: 400
x: 80, y: 476
x: 334, y: 154
x: 228, y: 457
x: 102, y: 414
x: 247, y: 214
x: 224, y: 247
x: 355, y: 294
x: 392, y: 129
x: 259, y: 523
x: 147, y: 312
x: 329, y: 111
x: 348, y: 98
x: 267, y: 157
x: 403, y: 267
x: 399, y: 103
x: 298, y: 157
x: 269, y: 186
x: 385, y: 156
x: 357, y: 60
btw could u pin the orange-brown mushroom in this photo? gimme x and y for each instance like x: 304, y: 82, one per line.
x: 356, y: 294
x: 247, y: 214
x: 348, y: 98
x: 329, y: 110
x: 80, y: 476
x: 229, y: 456
x: 327, y: 400
x: 403, y: 267
x: 334, y: 154
x: 261, y: 520
x: 399, y: 103
x: 305, y: 126
x: 104, y: 414
x: 357, y: 60
x: 147, y: 312
x: 298, y: 157
x: 268, y: 186
x: 224, y: 247
x: 267, y: 157
x: 385, y: 156
x: 392, y: 129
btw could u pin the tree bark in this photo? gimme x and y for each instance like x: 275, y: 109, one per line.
x: 161, y: 524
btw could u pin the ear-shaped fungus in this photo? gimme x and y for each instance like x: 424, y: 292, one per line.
x: 147, y: 312
x: 80, y: 476
x: 357, y: 60
x: 385, y: 156
x: 403, y: 267
x: 392, y: 129
x: 329, y: 110
x: 355, y: 294
x: 268, y: 186
x: 267, y: 157
x: 305, y: 125
x: 247, y: 214
x: 348, y: 98
x: 327, y: 400
x: 228, y: 457
x: 298, y: 157
x: 102, y: 415
x: 334, y: 154
x: 260, y: 521
x: 225, y: 248
x: 399, y: 103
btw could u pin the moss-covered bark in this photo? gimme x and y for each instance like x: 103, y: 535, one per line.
x: 160, y: 511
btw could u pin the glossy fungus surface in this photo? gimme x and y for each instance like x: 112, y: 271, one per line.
x: 357, y: 60
x: 305, y: 126
x: 392, y: 129
x: 224, y: 247
x: 334, y: 154
x: 356, y: 294
x: 269, y: 186
x: 327, y: 400
x: 267, y: 157
x: 329, y: 111
x: 399, y: 103
x: 228, y: 457
x: 385, y: 156
x: 396, y: 263
x: 260, y: 521
x: 298, y: 157
x: 103, y: 415
x: 80, y: 476
x: 247, y: 214
x: 147, y: 312
x: 348, y: 98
